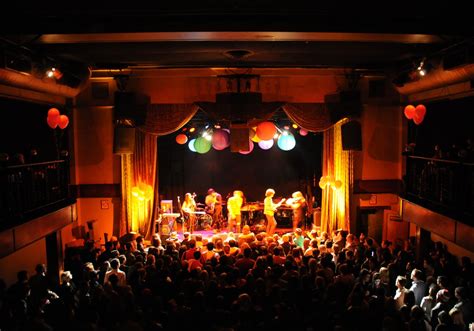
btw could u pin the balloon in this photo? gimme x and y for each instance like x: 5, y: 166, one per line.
x: 409, y: 111
x: 420, y: 112
x: 148, y: 192
x: 54, y: 113
x: 337, y: 184
x: 251, y: 146
x: 255, y: 138
x: 417, y: 120
x: 322, y: 182
x: 220, y: 140
x: 266, y: 130
x: 202, y: 145
x: 286, y: 142
x: 191, y: 145
x: 303, y: 132
x: 52, y: 123
x: 181, y: 139
x: 63, y: 121
x: 265, y: 144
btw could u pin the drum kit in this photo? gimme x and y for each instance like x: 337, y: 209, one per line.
x: 203, y: 220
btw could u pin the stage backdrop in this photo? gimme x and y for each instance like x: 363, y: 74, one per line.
x: 181, y: 170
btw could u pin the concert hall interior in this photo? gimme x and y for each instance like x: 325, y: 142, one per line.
x: 240, y: 165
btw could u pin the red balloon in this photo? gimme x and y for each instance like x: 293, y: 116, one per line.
x: 52, y: 122
x: 410, y: 112
x: 220, y: 139
x: 417, y: 120
x: 181, y: 139
x: 420, y: 111
x: 63, y: 121
x: 266, y: 130
x: 53, y: 113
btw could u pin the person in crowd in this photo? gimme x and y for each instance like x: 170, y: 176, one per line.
x: 464, y: 304
x: 269, y: 210
x: 400, y: 292
x: 418, y: 286
x: 115, y: 270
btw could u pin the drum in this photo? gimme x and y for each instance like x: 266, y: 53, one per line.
x: 204, y: 222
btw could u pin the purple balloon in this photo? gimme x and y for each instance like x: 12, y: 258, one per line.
x: 251, y: 146
x: 265, y: 144
x: 220, y: 139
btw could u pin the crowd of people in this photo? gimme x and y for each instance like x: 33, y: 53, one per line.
x: 248, y: 281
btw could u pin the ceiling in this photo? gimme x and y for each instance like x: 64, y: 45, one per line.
x: 268, y: 34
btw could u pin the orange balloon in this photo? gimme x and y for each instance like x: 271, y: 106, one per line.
x: 63, y: 121
x: 54, y: 114
x: 410, y: 112
x: 52, y: 122
x: 181, y: 139
x: 266, y: 130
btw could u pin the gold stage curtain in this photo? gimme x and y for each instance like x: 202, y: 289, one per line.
x: 313, y: 117
x: 163, y: 119
x: 139, y: 170
x: 337, y: 164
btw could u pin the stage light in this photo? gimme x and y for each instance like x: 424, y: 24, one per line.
x: 276, y: 135
x: 295, y: 126
x: 50, y: 73
x: 192, y: 130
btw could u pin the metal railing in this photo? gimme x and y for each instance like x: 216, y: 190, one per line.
x: 444, y: 185
x: 31, y: 189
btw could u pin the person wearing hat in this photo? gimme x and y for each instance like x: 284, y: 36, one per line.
x: 269, y: 210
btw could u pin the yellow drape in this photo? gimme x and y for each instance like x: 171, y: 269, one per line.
x: 337, y: 164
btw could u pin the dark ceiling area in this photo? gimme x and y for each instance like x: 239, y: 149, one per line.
x: 275, y: 35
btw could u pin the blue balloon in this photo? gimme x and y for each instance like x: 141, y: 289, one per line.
x: 286, y: 142
x: 191, y: 145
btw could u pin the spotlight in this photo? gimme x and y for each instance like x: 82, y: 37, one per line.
x: 275, y: 136
x: 54, y: 72
x: 50, y: 73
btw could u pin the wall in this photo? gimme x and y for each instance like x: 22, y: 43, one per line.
x: 23, y: 259
x: 96, y: 169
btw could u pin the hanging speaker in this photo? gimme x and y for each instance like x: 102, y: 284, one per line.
x: 351, y: 136
x: 124, y: 140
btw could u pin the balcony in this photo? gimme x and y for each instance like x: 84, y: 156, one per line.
x: 32, y: 190
x: 444, y: 186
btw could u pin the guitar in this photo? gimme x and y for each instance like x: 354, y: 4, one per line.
x: 277, y: 205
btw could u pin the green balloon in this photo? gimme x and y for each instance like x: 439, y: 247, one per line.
x: 202, y: 145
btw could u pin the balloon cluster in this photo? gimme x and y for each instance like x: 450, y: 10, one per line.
x: 416, y: 113
x: 55, y: 119
x: 263, y: 134
x: 329, y: 181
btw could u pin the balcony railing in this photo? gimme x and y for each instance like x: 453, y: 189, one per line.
x: 32, y: 190
x: 444, y: 185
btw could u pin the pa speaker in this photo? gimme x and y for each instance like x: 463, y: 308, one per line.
x: 130, y: 106
x: 351, y: 136
x: 343, y: 104
x: 124, y: 140
x: 239, y: 138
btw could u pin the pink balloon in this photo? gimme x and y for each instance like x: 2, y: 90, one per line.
x: 63, y: 121
x: 251, y: 146
x: 220, y: 139
x: 52, y: 122
x: 303, y: 132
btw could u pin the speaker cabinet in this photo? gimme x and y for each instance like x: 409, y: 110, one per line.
x: 239, y: 138
x: 343, y: 104
x: 124, y: 140
x: 130, y: 106
x: 351, y: 135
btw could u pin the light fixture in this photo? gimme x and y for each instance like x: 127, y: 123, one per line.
x: 295, y: 126
x: 192, y: 129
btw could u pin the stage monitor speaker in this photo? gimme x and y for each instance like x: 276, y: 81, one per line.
x: 239, y: 138
x: 351, y: 136
x: 124, y: 140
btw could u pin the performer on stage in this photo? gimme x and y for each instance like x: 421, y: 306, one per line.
x: 234, y: 205
x: 269, y: 210
x: 297, y: 202
x: 214, y: 207
x: 189, y: 207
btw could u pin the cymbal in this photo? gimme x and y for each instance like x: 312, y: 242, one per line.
x: 199, y: 204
